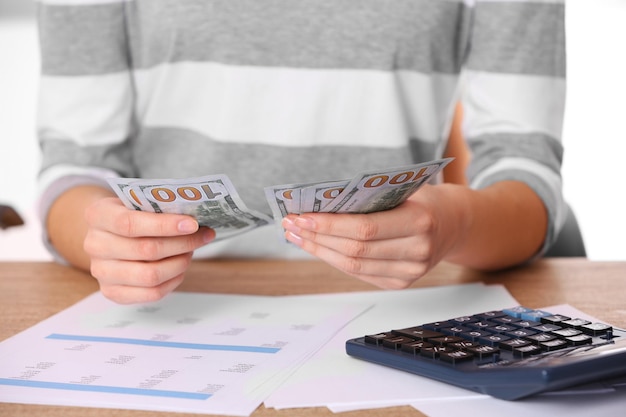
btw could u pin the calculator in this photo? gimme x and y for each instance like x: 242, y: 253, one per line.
x: 509, y: 354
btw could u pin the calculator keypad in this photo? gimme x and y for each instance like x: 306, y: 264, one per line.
x: 519, y: 332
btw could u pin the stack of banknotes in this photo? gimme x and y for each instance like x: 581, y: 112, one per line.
x: 214, y: 201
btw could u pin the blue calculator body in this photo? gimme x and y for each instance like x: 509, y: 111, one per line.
x: 508, y: 354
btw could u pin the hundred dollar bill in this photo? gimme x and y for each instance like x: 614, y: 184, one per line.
x: 212, y: 200
x: 315, y: 198
x: 129, y: 196
x: 384, y: 189
x: 284, y: 199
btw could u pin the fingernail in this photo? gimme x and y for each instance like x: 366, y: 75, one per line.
x: 208, y: 235
x: 305, y: 223
x: 288, y: 224
x: 187, y: 226
x: 293, y: 238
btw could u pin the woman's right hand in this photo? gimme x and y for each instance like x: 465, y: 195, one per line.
x: 139, y: 256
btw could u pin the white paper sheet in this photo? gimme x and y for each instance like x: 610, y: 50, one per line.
x: 588, y: 405
x: 202, y: 353
x: 333, y: 379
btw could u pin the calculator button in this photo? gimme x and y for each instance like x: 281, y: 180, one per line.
x: 464, y: 320
x: 568, y: 332
x: 552, y: 345
x: 516, y: 311
x: 596, y: 329
x: 455, y: 356
x: 534, y: 315
x: 481, y: 324
x: 437, y: 325
x: 445, y: 340
x: 506, y: 320
x: 546, y: 327
x: 501, y: 328
x: 521, y: 333
x: 415, y: 347
x: 455, y: 330
x: 577, y: 323
x: 526, y: 323
x: 474, y: 335
x: 511, y: 344
x: 482, y: 351
x: 579, y: 340
x: 465, y: 344
x: 396, y: 342
x: 541, y: 337
x: 493, y: 340
x: 555, y: 319
x: 434, y: 351
x: 418, y: 333
x: 488, y: 315
x: 376, y: 339
x: 526, y: 351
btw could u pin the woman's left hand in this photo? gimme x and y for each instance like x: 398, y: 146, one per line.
x: 390, y: 249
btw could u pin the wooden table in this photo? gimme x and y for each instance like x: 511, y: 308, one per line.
x: 31, y: 292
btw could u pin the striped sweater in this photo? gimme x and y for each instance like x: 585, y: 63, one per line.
x: 280, y: 91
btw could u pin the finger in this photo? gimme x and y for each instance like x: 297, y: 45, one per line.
x: 415, y: 248
x: 405, y: 220
x: 111, y: 215
x: 139, y: 274
x: 386, y: 283
x: 104, y: 245
x: 122, y: 294
x: 394, y: 271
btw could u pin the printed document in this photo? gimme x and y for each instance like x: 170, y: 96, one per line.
x: 201, y: 353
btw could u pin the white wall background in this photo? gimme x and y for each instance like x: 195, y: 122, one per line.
x: 594, y: 131
x: 594, y: 136
x: 19, y: 153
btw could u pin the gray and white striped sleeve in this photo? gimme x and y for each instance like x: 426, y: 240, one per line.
x: 514, y: 99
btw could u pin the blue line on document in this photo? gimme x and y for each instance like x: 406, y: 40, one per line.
x: 160, y: 343
x: 104, y: 388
